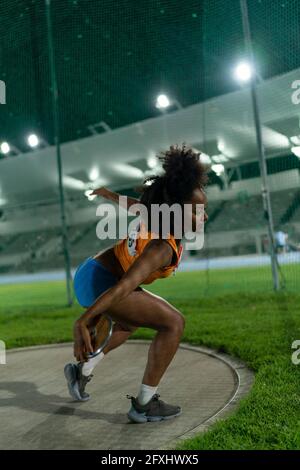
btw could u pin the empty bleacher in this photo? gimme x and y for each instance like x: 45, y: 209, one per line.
x: 27, y: 241
x: 235, y: 227
x: 249, y: 213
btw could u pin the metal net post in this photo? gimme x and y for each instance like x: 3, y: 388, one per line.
x: 58, y: 152
x: 260, y: 145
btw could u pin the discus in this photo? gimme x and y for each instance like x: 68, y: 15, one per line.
x: 100, y: 335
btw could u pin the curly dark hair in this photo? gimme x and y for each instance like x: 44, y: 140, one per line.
x: 183, y: 173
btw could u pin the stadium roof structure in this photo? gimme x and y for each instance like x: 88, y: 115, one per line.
x: 113, y: 60
x: 120, y: 156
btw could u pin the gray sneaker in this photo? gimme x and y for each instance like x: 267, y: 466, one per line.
x: 154, y: 410
x: 77, y: 381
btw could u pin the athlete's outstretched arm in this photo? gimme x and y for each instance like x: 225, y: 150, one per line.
x: 156, y: 255
x: 115, y: 197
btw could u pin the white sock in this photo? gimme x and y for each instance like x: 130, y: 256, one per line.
x: 89, y: 366
x: 145, y: 394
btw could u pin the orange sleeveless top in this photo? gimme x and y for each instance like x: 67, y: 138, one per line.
x: 129, y: 249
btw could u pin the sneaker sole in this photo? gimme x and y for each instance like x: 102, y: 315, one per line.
x: 70, y: 375
x: 136, y: 417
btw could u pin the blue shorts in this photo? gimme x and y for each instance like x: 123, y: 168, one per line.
x: 91, y: 280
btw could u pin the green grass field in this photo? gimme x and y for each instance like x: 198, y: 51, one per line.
x: 253, y: 324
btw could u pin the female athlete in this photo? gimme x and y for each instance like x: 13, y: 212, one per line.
x: 110, y: 283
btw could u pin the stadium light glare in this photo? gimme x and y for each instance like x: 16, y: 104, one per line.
x: 218, y: 169
x: 162, y: 102
x: 295, y: 139
x: 5, y: 148
x: 152, y: 162
x: 243, y: 72
x: 33, y: 140
x: 296, y: 151
x: 89, y: 195
x: 205, y: 158
x: 220, y: 158
x: 94, y: 174
x: 221, y: 146
x: 73, y: 183
x: 129, y: 170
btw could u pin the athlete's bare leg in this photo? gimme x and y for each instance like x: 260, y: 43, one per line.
x: 119, y: 335
x: 143, y: 309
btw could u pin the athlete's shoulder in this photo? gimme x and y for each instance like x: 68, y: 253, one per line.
x: 161, y: 248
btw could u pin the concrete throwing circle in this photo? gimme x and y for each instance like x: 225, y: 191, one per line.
x: 36, y: 411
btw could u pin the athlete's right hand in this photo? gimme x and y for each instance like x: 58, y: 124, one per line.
x: 82, y: 341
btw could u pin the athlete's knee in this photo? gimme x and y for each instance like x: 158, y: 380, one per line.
x: 175, y: 322
x: 179, y: 323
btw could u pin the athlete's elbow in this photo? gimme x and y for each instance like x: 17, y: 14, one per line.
x: 121, y: 292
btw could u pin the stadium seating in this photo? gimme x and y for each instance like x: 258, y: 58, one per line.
x: 235, y: 227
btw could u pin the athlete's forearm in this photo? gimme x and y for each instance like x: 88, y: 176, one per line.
x: 104, y: 192
x: 112, y: 296
x: 102, y: 304
x: 115, y: 197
